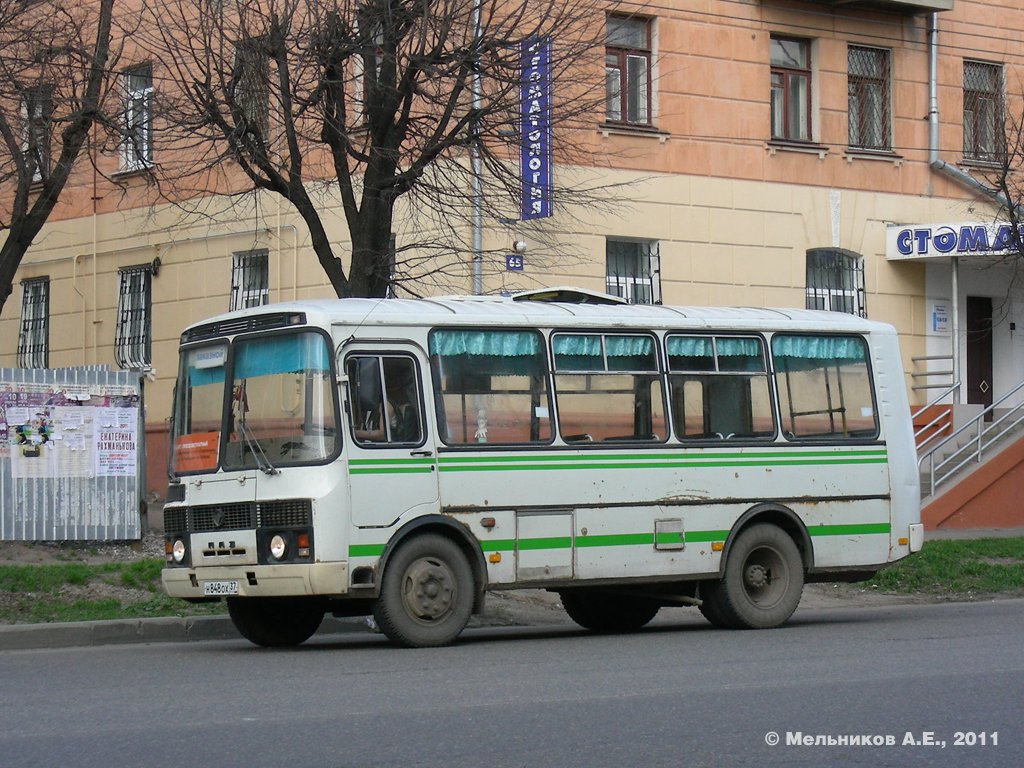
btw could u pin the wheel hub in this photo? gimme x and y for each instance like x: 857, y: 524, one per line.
x: 429, y: 590
x: 757, y: 576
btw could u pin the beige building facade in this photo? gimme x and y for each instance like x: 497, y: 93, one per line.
x: 758, y: 153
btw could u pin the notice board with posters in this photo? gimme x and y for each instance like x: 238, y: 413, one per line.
x: 72, y: 454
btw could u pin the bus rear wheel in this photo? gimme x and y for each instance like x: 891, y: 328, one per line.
x: 601, y: 611
x: 275, y: 622
x: 426, y: 594
x: 763, y: 581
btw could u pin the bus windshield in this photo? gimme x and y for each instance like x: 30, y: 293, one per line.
x: 279, y: 409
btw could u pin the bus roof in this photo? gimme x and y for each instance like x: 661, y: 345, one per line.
x: 504, y: 310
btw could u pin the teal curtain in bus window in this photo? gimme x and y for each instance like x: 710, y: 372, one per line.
x: 736, y: 354
x: 630, y: 353
x: 449, y: 343
x: 690, y: 353
x: 801, y: 353
x: 577, y: 353
x: 482, y: 353
x: 281, y: 354
x: 198, y: 377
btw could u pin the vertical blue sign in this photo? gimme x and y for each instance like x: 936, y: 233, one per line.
x: 535, y: 122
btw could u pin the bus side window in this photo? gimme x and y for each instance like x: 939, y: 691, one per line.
x: 824, y: 385
x: 384, y: 398
x: 490, y: 386
x: 719, y: 388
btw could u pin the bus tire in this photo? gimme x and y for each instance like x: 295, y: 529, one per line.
x: 709, y: 605
x: 763, y: 581
x: 601, y: 611
x: 426, y: 594
x: 275, y: 622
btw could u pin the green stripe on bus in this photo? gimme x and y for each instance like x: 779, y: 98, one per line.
x: 376, y: 462
x: 632, y: 539
x: 390, y: 470
x: 645, y: 464
x: 640, y: 460
x: 856, y: 529
x: 549, y: 542
x: 365, y: 550
x: 644, y: 455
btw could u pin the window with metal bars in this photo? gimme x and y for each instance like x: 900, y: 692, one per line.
x: 250, y: 279
x: 632, y: 271
x: 868, y: 88
x: 34, y: 335
x: 835, y: 281
x: 133, y: 335
x: 627, y: 66
x: 983, y: 112
x: 790, y: 89
x: 137, y: 144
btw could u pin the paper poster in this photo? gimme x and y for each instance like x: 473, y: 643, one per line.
x: 116, y: 441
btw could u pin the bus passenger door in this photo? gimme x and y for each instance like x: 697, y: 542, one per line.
x: 391, y: 454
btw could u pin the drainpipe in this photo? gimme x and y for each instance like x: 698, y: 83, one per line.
x: 964, y: 179
x: 933, y: 123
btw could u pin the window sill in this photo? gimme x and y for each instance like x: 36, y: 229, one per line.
x: 980, y: 165
x: 138, y: 170
x: 775, y: 146
x: 861, y: 153
x: 625, y: 129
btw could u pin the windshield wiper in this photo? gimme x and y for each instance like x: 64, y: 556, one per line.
x: 253, y: 444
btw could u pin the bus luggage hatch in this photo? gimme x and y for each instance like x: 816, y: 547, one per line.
x: 544, y: 545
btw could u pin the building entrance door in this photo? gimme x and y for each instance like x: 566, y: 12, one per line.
x: 979, y: 350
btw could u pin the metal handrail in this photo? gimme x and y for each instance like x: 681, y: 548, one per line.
x: 938, y: 472
x: 934, y: 423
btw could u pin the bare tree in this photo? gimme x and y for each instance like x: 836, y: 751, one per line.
x: 368, y: 102
x: 54, y: 57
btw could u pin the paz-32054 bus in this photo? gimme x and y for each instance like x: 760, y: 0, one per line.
x: 401, y: 457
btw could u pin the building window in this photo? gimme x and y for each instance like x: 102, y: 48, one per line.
x: 627, y: 67
x: 868, y: 89
x: 251, y: 81
x: 791, y: 89
x: 250, y: 279
x: 133, y: 335
x: 137, y: 146
x: 37, y: 110
x: 983, y: 111
x: 835, y: 281
x: 34, y: 336
x: 632, y: 271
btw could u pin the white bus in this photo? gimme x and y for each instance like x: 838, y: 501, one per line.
x: 401, y: 457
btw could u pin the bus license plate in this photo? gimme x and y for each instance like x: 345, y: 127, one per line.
x: 220, y: 588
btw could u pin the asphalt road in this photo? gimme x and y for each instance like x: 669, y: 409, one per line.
x: 676, y: 694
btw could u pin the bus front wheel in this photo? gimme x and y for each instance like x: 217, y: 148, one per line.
x: 275, y: 622
x: 762, y: 583
x: 607, y: 611
x: 426, y: 594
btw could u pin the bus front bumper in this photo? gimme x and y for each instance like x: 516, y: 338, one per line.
x: 257, y: 581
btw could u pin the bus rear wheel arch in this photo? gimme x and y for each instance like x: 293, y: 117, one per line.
x: 761, y: 583
x: 427, y: 592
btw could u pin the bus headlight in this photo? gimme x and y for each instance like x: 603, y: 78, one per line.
x: 278, y: 547
x: 178, y: 550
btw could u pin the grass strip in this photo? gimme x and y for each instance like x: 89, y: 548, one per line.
x: 81, y: 592
x: 958, y: 568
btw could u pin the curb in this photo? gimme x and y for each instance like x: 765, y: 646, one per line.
x: 20, y: 637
